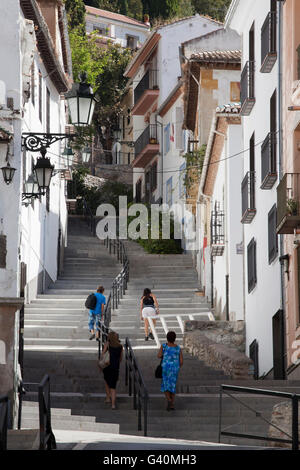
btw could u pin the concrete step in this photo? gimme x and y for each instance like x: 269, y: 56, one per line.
x: 23, y: 439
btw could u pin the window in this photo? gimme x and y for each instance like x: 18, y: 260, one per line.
x: 169, y: 191
x: 182, y: 188
x: 138, y: 191
x: 101, y: 29
x: 154, y: 177
x: 48, y: 111
x: 272, y: 235
x: 251, y: 261
x: 179, y: 130
x: 167, y: 138
x: 40, y: 97
x: 131, y: 42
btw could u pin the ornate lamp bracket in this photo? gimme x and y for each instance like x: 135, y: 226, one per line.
x: 35, y: 142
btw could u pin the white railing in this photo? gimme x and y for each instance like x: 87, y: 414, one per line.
x: 180, y: 319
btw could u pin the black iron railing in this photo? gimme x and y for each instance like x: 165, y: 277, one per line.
x: 247, y: 88
x: 118, y: 288
x: 248, y: 197
x: 89, y: 216
x: 136, y: 386
x: 148, y: 82
x: 288, y: 203
x: 268, y: 161
x: 148, y: 136
x: 4, y: 412
x: 292, y: 439
x: 268, y: 42
x: 217, y: 231
x: 47, y: 438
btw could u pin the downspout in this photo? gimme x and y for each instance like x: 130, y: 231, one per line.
x: 281, y: 247
x: 162, y: 157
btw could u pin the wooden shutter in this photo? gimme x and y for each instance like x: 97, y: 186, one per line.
x: 272, y: 235
x: 251, y: 259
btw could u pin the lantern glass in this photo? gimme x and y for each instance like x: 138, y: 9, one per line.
x: 86, y: 154
x: 8, y: 173
x: 43, y: 171
x: 81, y: 103
x: 31, y: 186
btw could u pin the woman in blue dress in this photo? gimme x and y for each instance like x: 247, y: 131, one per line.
x: 171, y: 363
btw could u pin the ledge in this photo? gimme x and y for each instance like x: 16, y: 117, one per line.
x: 16, y: 302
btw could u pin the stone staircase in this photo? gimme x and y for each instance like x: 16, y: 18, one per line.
x: 56, y: 342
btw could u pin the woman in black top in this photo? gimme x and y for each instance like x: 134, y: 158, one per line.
x: 111, y: 372
x: 148, y: 308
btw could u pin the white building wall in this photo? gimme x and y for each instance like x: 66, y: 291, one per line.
x: 117, y: 31
x: 40, y: 226
x: 264, y: 300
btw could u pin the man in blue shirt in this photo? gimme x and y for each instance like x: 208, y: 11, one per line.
x: 96, y: 314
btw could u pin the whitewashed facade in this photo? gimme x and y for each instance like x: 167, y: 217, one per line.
x: 119, y: 29
x: 259, y: 110
x: 32, y: 235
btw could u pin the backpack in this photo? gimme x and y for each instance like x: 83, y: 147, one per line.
x: 91, y: 302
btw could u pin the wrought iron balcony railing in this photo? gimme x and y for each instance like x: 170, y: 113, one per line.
x: 148, y: 136
x: 248, y: 197
x: 148, y: 82
x: 217, y: 232
x: 268, y: 43
x: 288, y: 203
x: 247, y: 88
x: 268, y: 161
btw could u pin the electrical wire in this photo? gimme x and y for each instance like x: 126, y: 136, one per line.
x: 199, y: 166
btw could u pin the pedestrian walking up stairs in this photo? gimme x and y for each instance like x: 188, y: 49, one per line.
x: 56, y: 343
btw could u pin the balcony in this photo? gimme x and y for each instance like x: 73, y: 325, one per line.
x: 217, y: 232
x: 268, y: 43
x: 248, y: 198
x: 268, y: 161
x: 288, y: 204
x: 146, y: 147
x: 145, y: 93
x: 247, y: 88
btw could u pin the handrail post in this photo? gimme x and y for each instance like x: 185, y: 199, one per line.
x: 145, y: 413
x: 220, y: 413
x: 139, y: 412
x: 295, y: 432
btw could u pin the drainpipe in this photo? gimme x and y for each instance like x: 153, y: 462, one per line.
x: 281, y: 247
x: 161, y: 156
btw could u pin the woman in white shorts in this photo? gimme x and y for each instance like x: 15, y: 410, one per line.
x: 149, y: 308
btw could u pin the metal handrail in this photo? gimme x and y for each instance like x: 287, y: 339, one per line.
x: 4, y: 411
x: 47, y: 438
x: 134, y: 380
x: 294, y: 439
x: 104, y: 326
x: 89, y: 216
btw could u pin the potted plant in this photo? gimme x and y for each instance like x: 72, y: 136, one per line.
x: 292, y: 206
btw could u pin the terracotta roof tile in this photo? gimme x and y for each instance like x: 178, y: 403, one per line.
x: 114, y: 16
x: 231, y: 108
x: 217, y: 56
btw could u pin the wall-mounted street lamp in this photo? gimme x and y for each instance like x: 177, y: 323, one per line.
x: 69, y: 155
x: 8, y: 173
x: 86, y: 154
x: 31, y: 190
x: 81, y: 104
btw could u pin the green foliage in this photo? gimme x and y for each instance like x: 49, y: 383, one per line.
x: 194, y: 165
x: 108, y: 193
x: 76, y: 15
x: 216, y: 9
x: 160, y: 245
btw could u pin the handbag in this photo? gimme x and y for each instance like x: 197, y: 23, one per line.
x: 158, y: 370
x: 104, y: 360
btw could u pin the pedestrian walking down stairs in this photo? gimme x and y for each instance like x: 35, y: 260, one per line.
x: 57, y: 343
